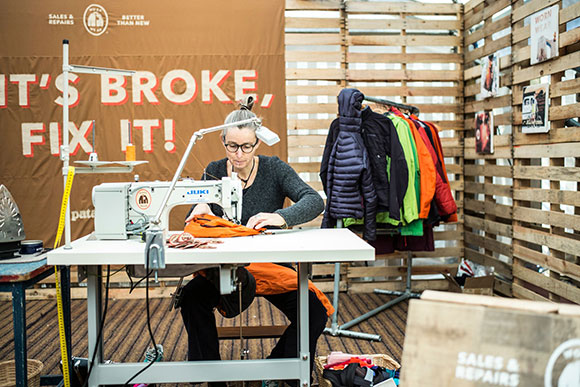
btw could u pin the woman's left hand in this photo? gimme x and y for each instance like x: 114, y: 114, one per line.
x: 264, y: 219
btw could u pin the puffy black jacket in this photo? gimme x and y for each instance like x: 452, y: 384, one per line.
x: 347, y: 175
x: 382, y: 143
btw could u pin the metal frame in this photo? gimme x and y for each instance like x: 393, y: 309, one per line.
x: 18, y: 290
x: 199, y: 371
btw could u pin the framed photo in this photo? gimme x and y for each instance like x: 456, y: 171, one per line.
x: 544, y: 34
x: 489, y: 76
x: 535, y: 106
x: 484, y: 132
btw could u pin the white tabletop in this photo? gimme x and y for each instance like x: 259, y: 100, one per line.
x: 312, y: 245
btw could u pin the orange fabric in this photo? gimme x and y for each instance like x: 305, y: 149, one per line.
x: 428, y: 173
x: 210, y: 226
x: 439, y: 149
x: 275, y: 279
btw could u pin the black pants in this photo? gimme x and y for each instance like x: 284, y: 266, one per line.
x: 200, y: 297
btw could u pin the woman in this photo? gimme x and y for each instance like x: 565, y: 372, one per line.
x: 266, y: 182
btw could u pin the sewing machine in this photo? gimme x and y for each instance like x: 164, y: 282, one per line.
x: 126, y: 209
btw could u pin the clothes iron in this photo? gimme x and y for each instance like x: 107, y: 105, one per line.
x: 11, y: 227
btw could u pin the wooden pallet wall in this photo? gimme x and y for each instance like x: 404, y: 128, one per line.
x: 403, y: 52
x: 521, y: 206
x: 546, y: 216
x: 488, y: 178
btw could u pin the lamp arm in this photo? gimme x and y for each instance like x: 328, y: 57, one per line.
x: 196, y: 136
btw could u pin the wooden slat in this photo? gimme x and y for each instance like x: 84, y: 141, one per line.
x: 554, y: 286
x: 488, y: 170
x: 362, y: 57
x: 313, y: 123
x: 530, y: 8
x: 526, y: 294
x: 486, y: 260
x: 403, y: 40
x: 554, y: 66
x: 402, y: 7
x: 407, y: 75
x: 403, y: 91
x: 488, y: 226
x: 488, y: 244
x: 546, y: 150
x: 556, y: 242
x: 547, y: 173
x: 552, y: 218
x: 417, y: 286
x: 486, y: 12
x: 489, y: 208
x: 402, y: 24
x: 489, y: 48
x: 251, y: 332
x: 561, y: 266
x: 571, y: 198
x: 488, y: 30
x: 296, y: 108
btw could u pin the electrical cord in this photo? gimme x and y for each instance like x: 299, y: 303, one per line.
x: 133, y: 286
x: 148, y: 323
x: 102, y: 324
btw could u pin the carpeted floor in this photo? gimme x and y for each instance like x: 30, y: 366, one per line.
x: 126, y: 335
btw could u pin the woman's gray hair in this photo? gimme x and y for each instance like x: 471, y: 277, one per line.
x: 244, y: 113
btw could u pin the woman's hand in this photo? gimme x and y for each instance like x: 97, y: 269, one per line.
x: 264, y: 219
x: 200, y: 209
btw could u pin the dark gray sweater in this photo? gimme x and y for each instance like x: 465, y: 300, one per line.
x: 275, y: 181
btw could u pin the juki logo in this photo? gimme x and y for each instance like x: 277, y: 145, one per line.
x: 198, y: 192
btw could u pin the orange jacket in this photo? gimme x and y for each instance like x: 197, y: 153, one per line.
x: 276, y: 279
x: 210, y: 226
x: 428, y: 173
x: 439, y: 149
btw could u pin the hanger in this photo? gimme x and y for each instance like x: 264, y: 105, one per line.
x: 410, y: 108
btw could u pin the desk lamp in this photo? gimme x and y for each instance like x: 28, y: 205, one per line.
x: 154, y: 236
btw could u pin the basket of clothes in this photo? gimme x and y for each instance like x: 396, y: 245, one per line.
x: 8, y: 373
x: 343, y: 369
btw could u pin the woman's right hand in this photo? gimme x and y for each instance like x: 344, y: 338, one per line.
x: 200, y: 209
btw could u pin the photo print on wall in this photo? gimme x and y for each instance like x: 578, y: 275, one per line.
x: 484, y: 132
x: 535, y: 106
x: 489, y: 76
x: 544, y: 35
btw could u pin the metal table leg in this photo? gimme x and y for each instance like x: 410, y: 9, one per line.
x: 19, y: 321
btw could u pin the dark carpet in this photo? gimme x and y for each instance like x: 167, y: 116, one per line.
x: 126, y: 335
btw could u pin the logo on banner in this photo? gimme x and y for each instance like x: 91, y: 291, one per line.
x: 95, y: 19
x: 563, y: 368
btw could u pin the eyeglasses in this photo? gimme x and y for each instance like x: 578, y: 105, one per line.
x: 246, y: 148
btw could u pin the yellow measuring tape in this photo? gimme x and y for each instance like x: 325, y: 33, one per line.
x: 61, y: 333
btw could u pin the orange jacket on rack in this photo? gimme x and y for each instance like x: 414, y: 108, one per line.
x: 427, y: 175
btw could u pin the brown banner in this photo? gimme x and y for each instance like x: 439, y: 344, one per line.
x: 193, y: 61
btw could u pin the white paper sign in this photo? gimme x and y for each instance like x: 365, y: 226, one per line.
x: 544, y: 35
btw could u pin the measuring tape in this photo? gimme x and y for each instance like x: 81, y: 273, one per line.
x: 59, y: 307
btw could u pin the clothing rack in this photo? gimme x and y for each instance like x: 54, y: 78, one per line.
x: 410, y: 108
x: 342, y: 330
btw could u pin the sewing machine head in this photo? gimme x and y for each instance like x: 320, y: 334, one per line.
x: 125, y: 209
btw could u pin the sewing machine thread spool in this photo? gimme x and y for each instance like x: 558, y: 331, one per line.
x: 130, y: 152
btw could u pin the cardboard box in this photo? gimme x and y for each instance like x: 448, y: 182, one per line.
x: 473, y: 285
x: 463, y: 340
